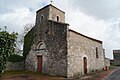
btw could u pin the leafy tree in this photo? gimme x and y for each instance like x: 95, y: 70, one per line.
x: 7, y: 45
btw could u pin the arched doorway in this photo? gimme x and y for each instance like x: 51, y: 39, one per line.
x: 40, y: 50
x: 85, y: 65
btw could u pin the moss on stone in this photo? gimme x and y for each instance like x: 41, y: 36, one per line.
x: 28, y: 42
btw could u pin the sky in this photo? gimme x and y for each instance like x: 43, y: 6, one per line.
x: 99, y: 19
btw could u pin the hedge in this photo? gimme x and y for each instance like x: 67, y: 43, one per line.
x: 15, y: 58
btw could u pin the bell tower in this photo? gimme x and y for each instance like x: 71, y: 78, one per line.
x: 48, y: 42
x: 50, y: 12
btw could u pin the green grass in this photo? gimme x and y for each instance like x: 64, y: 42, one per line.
x: 34, y: 75
x: 113, y: 67
x: 39, y: 76
x: 24, y: 72
x: 16, y: 72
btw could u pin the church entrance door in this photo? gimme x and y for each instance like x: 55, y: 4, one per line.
x: 39, y: 64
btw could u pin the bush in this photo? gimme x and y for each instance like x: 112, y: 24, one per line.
x: 15, y: 58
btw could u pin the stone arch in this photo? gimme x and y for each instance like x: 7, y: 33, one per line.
x: 40, y: 54
x: 40, y: 46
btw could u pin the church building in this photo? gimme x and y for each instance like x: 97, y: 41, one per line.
x: 52, y: 48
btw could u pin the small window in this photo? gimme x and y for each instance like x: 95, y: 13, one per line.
x: 97, y: 53
x: 57, y: 18
x: 41, y: 18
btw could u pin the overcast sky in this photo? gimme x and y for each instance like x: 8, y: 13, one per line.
x: 99, y: 19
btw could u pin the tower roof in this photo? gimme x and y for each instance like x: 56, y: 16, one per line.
x: 49, y: 6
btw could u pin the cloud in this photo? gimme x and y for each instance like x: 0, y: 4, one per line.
x: 97, y: 19
x: 10, y: 5
x: 112, y: 37
x: 101, y: 9
x: 16, y: 20
x: 86, y: 24
x: 16, y: 13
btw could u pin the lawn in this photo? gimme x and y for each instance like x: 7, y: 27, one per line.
x: 28, y: 75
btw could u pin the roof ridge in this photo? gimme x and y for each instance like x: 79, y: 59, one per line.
x: 86, y: 36
x: 48, y: 6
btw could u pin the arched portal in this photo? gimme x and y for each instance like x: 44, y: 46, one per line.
x: 40, y: 49
x: 85, y: 65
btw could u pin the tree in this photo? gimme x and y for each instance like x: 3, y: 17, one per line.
x: 7, y: 45
x: 20, y: 39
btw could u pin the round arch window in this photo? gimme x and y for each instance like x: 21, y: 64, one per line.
x: 57, y: 18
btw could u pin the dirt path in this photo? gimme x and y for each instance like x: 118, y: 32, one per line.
x: 22, y: 77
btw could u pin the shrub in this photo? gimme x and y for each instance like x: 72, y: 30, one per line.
x: 15, y: 58
x: 7, y: 45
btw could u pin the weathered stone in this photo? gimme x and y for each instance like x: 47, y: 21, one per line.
x: 63, y: 50
x: 107, y: 63
x: 15, y: 66
x: 80, y: 47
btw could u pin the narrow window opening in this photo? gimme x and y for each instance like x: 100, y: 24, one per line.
x: 97, y: 53
x: 41, y: 18
x: 57, y: 18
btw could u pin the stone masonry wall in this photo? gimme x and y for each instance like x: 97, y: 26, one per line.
x: 80, y: 47
x: 54, y: 12
x: 42, y: 13
x: 54, y: 35
x: 15, y: 66
x: 107, y: 62
x: 31, y: 61
x: 50, y: 13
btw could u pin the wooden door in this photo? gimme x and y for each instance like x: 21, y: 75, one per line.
x: 39, y: 64
x: 85, y: 65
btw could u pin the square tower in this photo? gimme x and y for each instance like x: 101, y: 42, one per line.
x: 50, y: 12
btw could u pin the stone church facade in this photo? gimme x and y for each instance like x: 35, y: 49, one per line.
x: 57, y: 50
